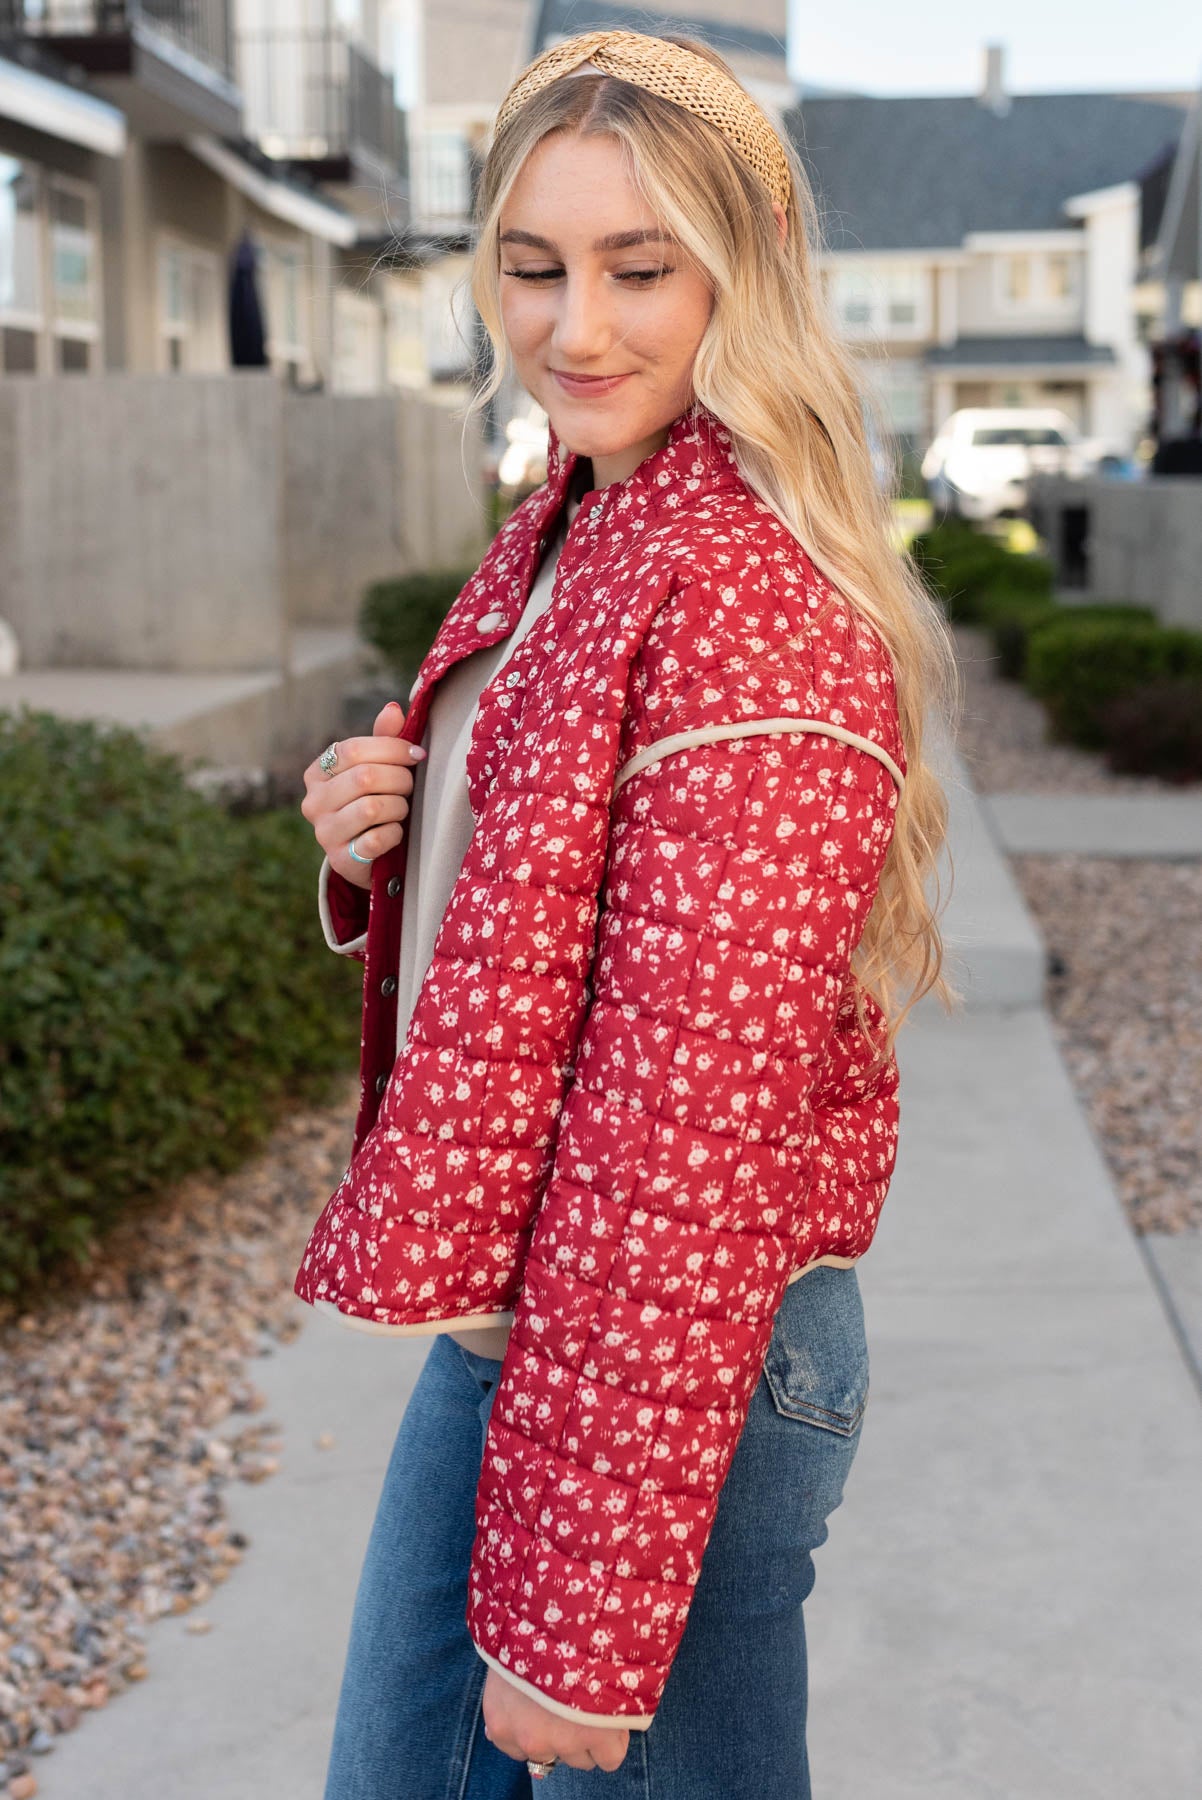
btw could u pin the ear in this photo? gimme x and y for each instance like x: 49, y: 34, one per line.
x: 782, y: 223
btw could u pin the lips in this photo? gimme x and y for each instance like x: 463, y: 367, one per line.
x: 588, y: 384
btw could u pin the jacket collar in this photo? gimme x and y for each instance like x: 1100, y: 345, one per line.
x: 697, y: 456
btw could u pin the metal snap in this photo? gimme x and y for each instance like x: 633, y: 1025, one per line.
x: 394, y: 887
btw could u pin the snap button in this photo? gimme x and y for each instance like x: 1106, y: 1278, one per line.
x: 489, y: 621
x: 596, y: 511
x: 388, y: 986
x: 513, y: 677
x: 381, y: 1082
x: 394, y: 887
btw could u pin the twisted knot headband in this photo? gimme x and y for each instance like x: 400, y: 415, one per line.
x: 675, y: 74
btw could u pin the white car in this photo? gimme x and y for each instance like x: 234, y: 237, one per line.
x: 980, y: 461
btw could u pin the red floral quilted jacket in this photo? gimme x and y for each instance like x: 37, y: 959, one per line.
x: 632, y: 1102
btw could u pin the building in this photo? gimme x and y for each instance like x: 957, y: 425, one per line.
x: 984, y: 251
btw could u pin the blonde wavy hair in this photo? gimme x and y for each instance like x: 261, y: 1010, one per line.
x: 771, y: 366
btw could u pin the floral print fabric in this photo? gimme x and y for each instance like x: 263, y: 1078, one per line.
x: 633, y: 1096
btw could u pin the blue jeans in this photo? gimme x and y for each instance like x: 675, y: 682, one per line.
x: 732, y: 1718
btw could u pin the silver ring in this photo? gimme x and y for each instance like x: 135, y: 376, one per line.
x: 327, y: 762
x: 354, y: 854
x: 540, y: 1770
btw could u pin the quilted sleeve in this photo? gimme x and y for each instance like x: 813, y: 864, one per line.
x: 342, y: 908
x: 739, y: 880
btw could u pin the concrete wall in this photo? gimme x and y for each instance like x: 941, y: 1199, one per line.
x: 374, y: 486
x: 185, y: 522
x: 140, y: 521
x: 1144, y: 539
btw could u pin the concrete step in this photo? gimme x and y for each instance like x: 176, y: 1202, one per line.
x: 1165, y: 825
x: 242, y: 720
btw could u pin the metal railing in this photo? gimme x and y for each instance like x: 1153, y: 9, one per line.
x: 200, y: 27
x: 309, y: 95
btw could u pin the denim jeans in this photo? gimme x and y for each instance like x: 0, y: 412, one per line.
x: 732, y: 1717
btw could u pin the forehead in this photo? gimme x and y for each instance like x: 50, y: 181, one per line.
x: 573, y: 175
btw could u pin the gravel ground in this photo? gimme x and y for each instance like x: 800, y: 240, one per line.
x: 112, y: 1471
x: 1003, y: 738
x: 1126, y: 1001
x: 1125, y: 938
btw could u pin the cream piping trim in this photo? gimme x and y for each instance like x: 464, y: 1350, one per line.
x: 709, y: 734
x: 632, y: 1721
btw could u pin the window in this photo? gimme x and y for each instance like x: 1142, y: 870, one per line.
x: 1029, y: 436
x: 446, y: 189
x: 1062, y: 273
x: 1050, y: 282
x: 74, y: 260
x: 282, y: 289
x: 1017, y: 279
x: 881, y: 300
x: 21, y: 318
x: 191, y: 316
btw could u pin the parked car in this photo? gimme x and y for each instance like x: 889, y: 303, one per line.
x: 980, y: 461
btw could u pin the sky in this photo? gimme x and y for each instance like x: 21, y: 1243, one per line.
x: 1052, y: 46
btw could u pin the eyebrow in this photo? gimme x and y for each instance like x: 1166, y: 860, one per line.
x: 617, y: 240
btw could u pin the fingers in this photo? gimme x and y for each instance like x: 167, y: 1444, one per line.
x: 389, y: 719
x: 360, y: 819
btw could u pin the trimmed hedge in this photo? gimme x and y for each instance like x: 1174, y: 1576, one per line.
x: 1012, y: 618
x: 1079, y: 669
x: 965, y: 567
x: 401, y: 617
x: 1156, y: 729
x: 164, y: 986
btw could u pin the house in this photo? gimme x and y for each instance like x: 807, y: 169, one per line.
x: 319, y: 99
x: 983, y: 250
x: 127, y: 183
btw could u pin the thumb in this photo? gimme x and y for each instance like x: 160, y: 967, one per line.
x: 389, y: 720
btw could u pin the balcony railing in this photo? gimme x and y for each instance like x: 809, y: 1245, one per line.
x: 201, y: 28
x: 314, y: 96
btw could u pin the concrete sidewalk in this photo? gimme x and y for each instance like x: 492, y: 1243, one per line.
x: 1009, y: 1604
x: 1167, y: 826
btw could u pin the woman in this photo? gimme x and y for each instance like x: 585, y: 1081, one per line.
x: 629, y: 1099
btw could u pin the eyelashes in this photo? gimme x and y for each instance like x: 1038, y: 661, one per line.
x: 638, y: 277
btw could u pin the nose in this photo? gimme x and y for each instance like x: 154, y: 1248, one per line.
x: 583, y: 328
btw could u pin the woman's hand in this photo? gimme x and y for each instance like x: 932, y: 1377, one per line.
x: 521, y: 1728
x: 365, y: 798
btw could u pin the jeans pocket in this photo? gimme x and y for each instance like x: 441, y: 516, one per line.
x: 816, y: 1366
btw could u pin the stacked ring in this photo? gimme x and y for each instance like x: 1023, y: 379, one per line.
x: 327, y: 762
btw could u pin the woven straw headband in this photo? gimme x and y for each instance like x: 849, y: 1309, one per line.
x: 673, y: 73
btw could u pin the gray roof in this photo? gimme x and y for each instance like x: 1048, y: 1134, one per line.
x: 900, y: 174
x: 1015, y: 352
x: 725, y: 34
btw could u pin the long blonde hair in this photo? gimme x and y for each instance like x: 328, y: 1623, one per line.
x: 771, y: 367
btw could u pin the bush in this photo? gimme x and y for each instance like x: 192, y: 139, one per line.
x: 1156, y: 729
x: 401, y: 617
x: 1078, y: 668
x: 164, y: 987
x: 1013, y: 617
x: 965, y: 566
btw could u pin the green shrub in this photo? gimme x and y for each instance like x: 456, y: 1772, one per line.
x: 1156, y: 729
x: 1013, y: 617
x: 401, y: 617
x: 1078, y: 667
x: 164, y: 987
x: 964, y: 566
x: 1010, y: 617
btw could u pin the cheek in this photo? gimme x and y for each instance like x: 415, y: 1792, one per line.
x: 522, y: 317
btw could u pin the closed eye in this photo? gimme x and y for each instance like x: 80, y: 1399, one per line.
x: 641, y: 277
